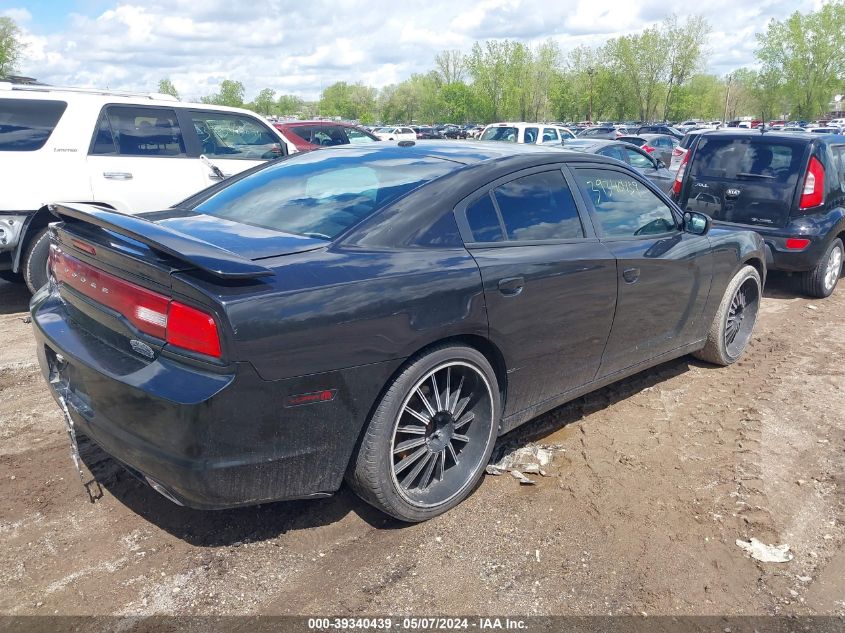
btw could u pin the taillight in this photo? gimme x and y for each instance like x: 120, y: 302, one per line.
x: 152, y: 313
x: 648, y: 148
x: 677, y: 152
x: 796, y: 243
x: 813, y: 193
x: 192, y: 329
x: 679, y: 177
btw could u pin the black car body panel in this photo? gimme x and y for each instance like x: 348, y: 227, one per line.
x: 307, y: 351
x: 770, y: 205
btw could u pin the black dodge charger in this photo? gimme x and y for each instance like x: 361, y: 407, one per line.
x: 378, y: 313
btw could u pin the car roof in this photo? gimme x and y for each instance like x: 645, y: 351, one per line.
x: 590, y: 143
x: 301, y: 123
x: 461, y: 152
x: 789, y: 137
x: 99, y: 97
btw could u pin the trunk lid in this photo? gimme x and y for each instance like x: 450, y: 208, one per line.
x: 115, y: 274
x: 745, y: 180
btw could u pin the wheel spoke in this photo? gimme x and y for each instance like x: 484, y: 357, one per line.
x: 442, y: 462
x: 427, y: 404
x: 457, y: 396
x: 452, y: 452
x: 428, y: 475
x: 419, y: 416
x: 409, y: 444
x: 412, y: 429
x: 448, y: 388
x: 460, y: 438
x: 410, y: 459
x: 436, y: 392
x: 468, y: 417
x: 415, y: 471
x: 461, y: 406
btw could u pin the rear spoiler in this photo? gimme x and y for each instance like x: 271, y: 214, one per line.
x: 207, y: 257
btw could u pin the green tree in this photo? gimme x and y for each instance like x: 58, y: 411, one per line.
x: 808, y: 52
x: 166, y: 87
x: 231, y: 94
x: 289, y: 104
x: 349, y: 101
x: 265, y: 102
x: 11, y: 47
x: 683, y: 44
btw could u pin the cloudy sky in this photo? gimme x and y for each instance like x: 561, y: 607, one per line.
x: 298, y: 47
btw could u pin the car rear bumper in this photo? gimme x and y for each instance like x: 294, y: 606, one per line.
x: 778, y: 256
x: 203, y: 438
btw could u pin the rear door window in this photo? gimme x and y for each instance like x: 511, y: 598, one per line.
x: 138, y: 131
x: 234, y: 136
x: 538, y: 207
x: 26, y: 124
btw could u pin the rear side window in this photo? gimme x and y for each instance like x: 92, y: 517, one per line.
x: 138, y: 131
x: 508, y: 134
x: 747, y: 159
x: 321, y: 194
x: 323, y: 135
x: 539, y: 207
x: 637, y: 160
x: 484, y: 221
x: 26, y: 124
x: 225, y: 135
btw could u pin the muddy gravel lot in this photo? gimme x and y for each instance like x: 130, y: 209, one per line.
x: 653, y: 481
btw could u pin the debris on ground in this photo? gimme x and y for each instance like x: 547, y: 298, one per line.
x: 524, y: 460
x: 525, y: 481
x: 766, y: 553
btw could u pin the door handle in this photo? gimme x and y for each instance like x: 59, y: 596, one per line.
x: 511, y: 286
x: 117, y: 175
x: 631, y: 275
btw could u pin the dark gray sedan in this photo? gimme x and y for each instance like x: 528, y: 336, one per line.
x: 658, y: 145
x: 652, y: 168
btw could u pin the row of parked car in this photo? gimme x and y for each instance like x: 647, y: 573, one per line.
x: 117, y: 149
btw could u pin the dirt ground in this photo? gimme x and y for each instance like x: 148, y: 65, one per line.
x: 657, y: 478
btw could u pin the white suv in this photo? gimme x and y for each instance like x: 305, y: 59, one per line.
x: 531, y: 133
x: 130, y: 152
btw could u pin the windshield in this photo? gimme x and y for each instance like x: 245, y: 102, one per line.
x: 507, y: 134
x: 731, y: 159
x: 322, y: 194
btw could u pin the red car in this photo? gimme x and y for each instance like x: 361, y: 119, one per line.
x: 306, y: 135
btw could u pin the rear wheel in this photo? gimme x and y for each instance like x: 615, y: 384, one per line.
x: 734, y: 321
x: 430, y: 437
x: 34, y: 261
x: 821, y: 281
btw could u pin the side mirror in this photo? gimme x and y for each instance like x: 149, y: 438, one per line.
x: 696, y: 223
x: 660, y: 164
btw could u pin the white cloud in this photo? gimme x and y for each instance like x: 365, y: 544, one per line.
x: 297, y: 47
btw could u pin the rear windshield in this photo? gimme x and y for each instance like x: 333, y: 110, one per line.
x: 26, y: 124
x: 740, y: 159
x: 509, y: 134
x: 319, y: 194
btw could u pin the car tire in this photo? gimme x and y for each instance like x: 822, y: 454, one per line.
x: 34, y: 264
x: 11, y: 276
x: 821, y: 281
x: 731, y: 329
x: 448, y: 433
